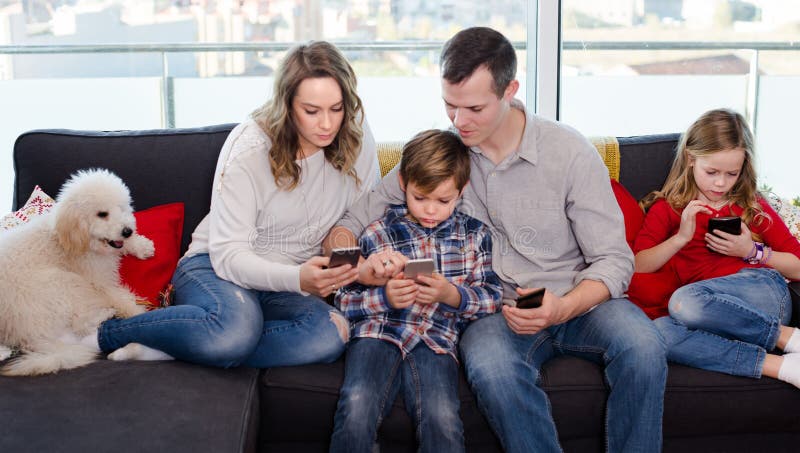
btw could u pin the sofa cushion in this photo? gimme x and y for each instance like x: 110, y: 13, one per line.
x: 631, y: 212
x: 159, y: 166
x: 298, y: 405
x: 38, y: 203
x: 608, y: 148
x: 390, y: 153
x: 645, y: 161
x: 705, y: 403
x: 789, y: 213
x: 131, y: 407
x: 149, y: 278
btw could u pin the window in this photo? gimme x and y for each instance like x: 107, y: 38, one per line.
x: 653, y: 66
x: 606, y: 67
x: 181, y: 63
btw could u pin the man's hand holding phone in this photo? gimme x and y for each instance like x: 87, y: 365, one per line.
x: 527, y: 321
x: 532, y: 299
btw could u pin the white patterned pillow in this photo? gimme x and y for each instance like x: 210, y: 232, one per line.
x: 789, y: 213
x: 38, y: 203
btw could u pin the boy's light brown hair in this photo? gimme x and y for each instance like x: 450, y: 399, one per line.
x: 432, y: 157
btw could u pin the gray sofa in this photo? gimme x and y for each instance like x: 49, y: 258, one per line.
x: 175, y: 407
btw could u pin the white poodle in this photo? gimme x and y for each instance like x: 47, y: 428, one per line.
x: 59, y: 274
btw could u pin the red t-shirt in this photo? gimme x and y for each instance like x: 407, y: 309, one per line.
x: 695, y: 261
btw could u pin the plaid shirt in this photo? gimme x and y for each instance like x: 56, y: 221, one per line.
x: 461, y: 247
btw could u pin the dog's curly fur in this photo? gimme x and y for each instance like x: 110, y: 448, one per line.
x: 59, y: 274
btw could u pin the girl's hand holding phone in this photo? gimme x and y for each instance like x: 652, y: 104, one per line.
x: 729, y: 244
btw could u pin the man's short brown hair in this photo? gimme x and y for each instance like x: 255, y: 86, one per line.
x: 434, y: 156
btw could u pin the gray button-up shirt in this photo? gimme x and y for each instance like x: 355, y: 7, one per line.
x: 549, y: 204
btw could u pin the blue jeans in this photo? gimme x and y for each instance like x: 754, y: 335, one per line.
x: 215, y: 322
x: 503, y: 369
x: 375, y: 371
x: 727, y: 324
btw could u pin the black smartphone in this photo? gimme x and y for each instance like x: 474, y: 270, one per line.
x: 532, y: 300
x: 732, y: 225
x: 342, y: 256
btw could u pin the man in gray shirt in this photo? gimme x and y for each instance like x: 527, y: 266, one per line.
x: 544, y: 192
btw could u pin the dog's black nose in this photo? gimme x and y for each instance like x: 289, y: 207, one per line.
x: 127, y: 232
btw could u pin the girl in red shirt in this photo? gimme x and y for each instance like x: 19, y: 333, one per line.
x: 731, y: 303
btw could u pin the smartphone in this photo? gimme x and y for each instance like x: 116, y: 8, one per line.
x: 342, y: 256
x: 414, y: 268
x: 532, y: 300
x: 732, y: 225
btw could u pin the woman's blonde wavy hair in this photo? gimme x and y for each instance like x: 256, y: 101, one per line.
x: 716, y: 130
x: 316, y: 59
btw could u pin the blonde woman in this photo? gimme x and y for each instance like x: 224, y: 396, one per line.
x: 250, y: 288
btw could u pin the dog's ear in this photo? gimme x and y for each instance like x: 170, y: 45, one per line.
x: 71, y: 229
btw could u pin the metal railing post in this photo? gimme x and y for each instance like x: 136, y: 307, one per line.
x: 167, y: 94
x: 753, y: 83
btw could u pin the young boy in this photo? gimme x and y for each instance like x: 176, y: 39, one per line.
x: 405, y: 333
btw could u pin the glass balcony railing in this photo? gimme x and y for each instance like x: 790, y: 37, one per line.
x: 397, y: 105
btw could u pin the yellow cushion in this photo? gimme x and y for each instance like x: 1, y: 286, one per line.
x: 389, y: 154
x: 608, y: 147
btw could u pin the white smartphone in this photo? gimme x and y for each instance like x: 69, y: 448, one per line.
x: 342, y: 256
x: 423, y: 266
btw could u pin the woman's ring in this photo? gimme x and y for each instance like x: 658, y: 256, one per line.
x: 386, y: 263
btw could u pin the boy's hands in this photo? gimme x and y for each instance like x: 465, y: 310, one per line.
x: 400, y: 291
x: 436, y: 288
x: 729, y: 244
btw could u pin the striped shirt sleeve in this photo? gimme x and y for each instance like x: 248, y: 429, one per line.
x: 481, y: 294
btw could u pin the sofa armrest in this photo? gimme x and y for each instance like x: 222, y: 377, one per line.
x: 794, y: 292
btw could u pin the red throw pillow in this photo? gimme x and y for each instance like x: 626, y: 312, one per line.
x: 631, y: 212
x: 651, y: 291
x: 149, y: 278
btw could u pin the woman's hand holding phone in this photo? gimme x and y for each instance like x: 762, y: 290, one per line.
x: 317, y: 279
x: 345, y: 255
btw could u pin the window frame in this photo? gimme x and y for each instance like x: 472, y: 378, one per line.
x: 544, y: 58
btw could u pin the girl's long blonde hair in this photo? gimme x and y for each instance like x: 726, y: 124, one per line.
x: 313, y: 60
x: 716, y: 130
